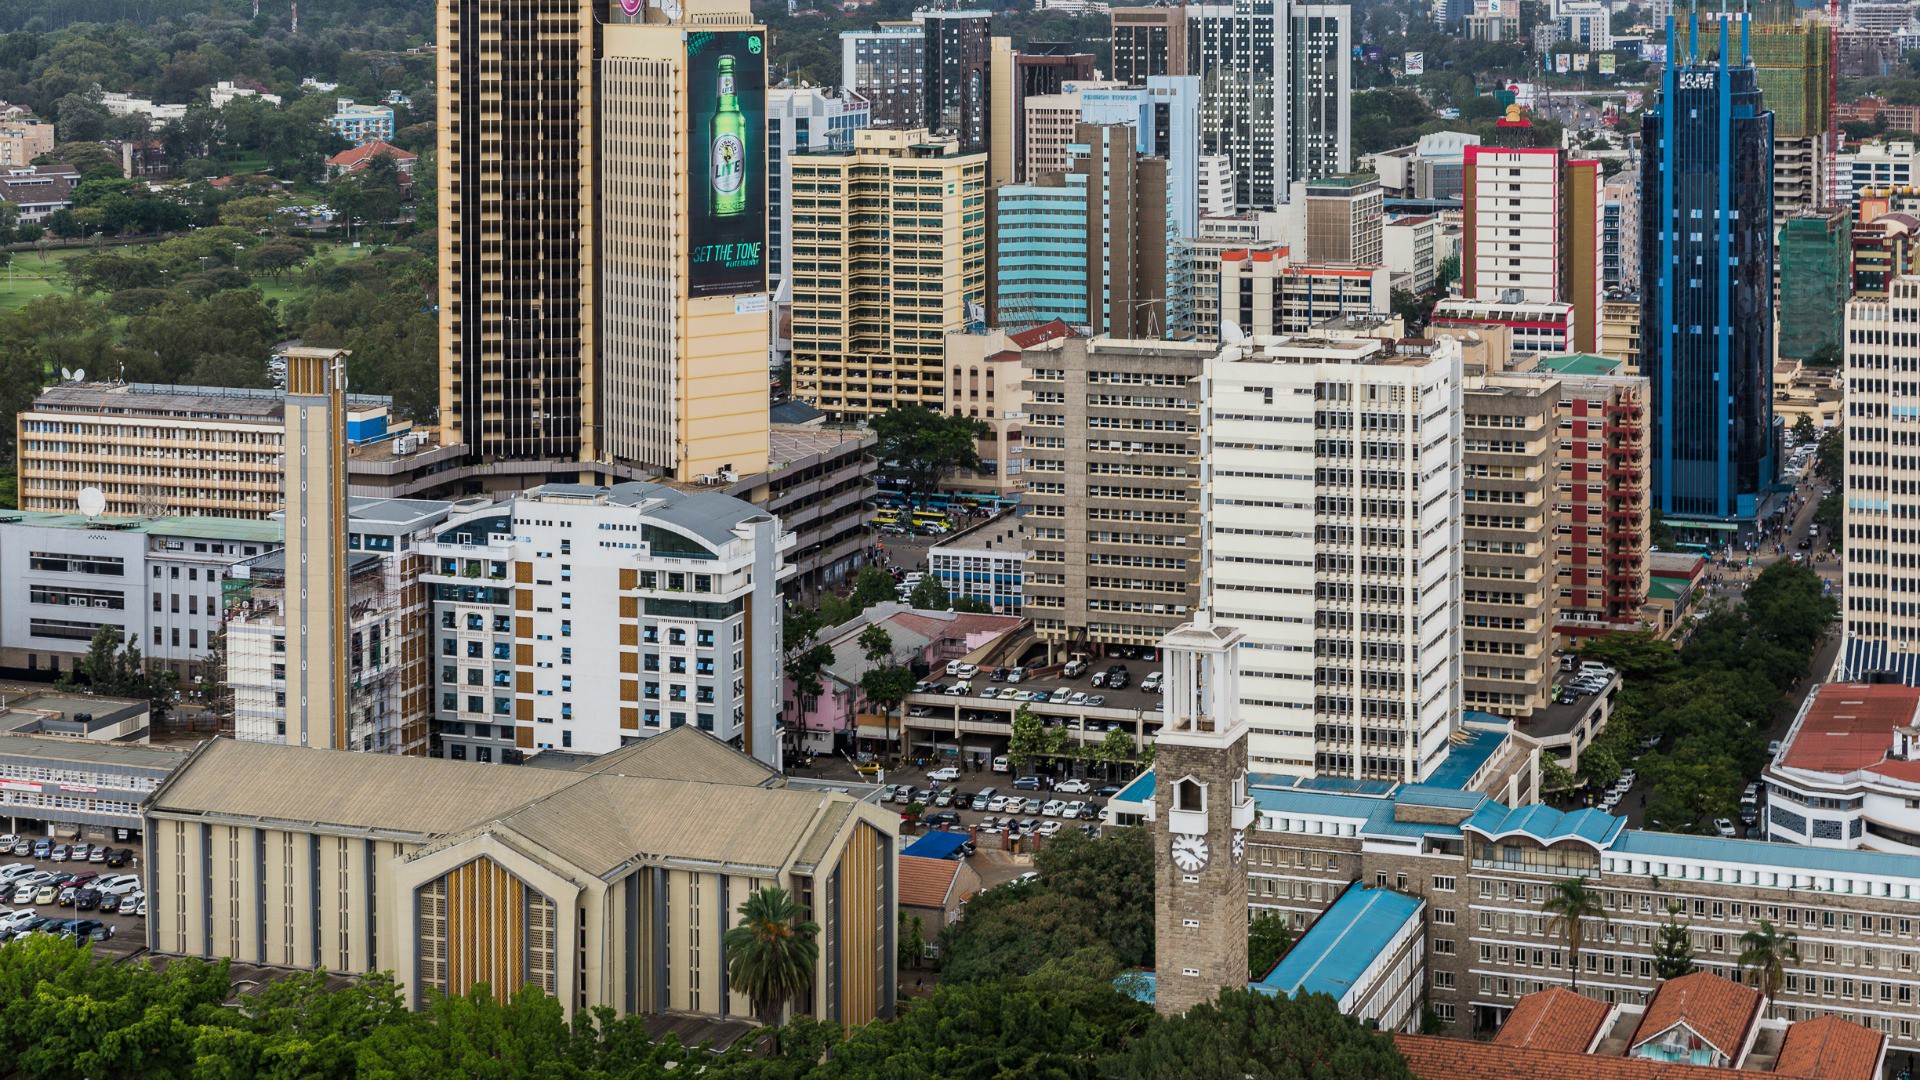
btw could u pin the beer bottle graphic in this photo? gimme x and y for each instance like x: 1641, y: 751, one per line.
x: 728, y: 164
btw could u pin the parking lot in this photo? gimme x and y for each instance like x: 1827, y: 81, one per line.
x: 126, y: 930
x: 1010, y: 810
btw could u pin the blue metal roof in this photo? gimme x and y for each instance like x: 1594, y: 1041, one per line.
x: 1295, y: 801
x: 1654, y: 845
x: 1381, y: 823
x: 1467, y: 756
x: 1337, y: 949
x: 1430, y: 795
x: 935, y: 845
x: 1140, y: 791
x: 1546, y: 824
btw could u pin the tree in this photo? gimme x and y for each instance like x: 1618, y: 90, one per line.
x: 114, y: 668
x: 1673, y: 949
x: 1268, y: 939
x: 875, y: 643
x: 1114, y: 875
x: 926, y: 446
x: 910, y: 939
x: 1246, y: 1033
x: 1830, y: 461
x: 1639, y: 657
x: 807, y: 656
x: 872, y: 586
x: 887, y: 687
x: 1116, y: 749
x: 1767, y: 952
x: 1568, y: 904
x: 1803, y: 427
x: 213, y: 689
x: 1052, y: 1026
x: 772, y: 951
x: 1027, y: 741
x: 930, y: 595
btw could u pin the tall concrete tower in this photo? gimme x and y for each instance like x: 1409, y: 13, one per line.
x: 316, y: 552
x: 1201, y: 813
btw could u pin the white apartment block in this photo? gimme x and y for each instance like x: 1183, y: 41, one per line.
x: 1881, y: 517
x: 1332, y: 527
x: 1215, y: 194
x: 1878, y: 165
x: 1517, y: 196
x: 583, y: 619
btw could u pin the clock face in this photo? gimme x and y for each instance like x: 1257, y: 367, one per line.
x: 1239, y: 845
x: 1189, y: 853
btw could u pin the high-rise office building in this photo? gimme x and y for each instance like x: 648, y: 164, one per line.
x: 801, y: 120
x: 1165, y: 114
x: 1275, y: 84
x: 1149, y: 41
x: 605, y: 305
x: 1620, y: 231
x: 517, y: 84
x: 1320, y: 94
x: 956, y: 89
x: 1881, y: 426
x: 1532, y: 224
x: 1095, y: 241
x: 896, y: 254
x: 1706, y: 340
x: 888, y: 66
x: 1331, y: 525
x: 681, y: 233
x: 1042, y: 69
x: 1816, y: 248
x: 1111, y: 453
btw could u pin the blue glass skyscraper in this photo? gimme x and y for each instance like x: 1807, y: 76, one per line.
x: 1706, y: 321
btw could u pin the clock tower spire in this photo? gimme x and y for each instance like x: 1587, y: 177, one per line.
x: 1201, y: 813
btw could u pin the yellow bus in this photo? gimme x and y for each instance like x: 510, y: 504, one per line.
x: 932, y: 517
x: 886, y: 517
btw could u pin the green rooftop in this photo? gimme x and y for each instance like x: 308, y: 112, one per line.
x: 194, y: 527
x: 1665, y: 588
x: 1578, y: 364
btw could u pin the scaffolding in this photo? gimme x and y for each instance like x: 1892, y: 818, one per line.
x: 1815, y: 268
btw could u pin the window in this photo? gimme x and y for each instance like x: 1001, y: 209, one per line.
x: 1443, y: 884
x: 1189, y: 795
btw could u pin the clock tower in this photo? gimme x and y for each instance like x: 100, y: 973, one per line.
x: 1201, y: 814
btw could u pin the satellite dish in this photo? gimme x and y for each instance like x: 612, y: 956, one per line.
x: 79, y: 374
x: 66, y: 374
x: 92, y: 501
x: 1231, y: 334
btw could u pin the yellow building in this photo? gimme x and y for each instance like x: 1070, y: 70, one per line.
x: 606, y: 885
x: 23, y: 140
x: 889, y: 253
x: 608, y: 304
x: 1620, y: 331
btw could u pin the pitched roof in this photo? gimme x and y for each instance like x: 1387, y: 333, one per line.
x: 1829, y: 1048
x: 1546, y: 824
x: 1431, y: 1057
x: 349, y: 160
x: 685, y: 753
x: 926, y: 882
x: 1713, y: 1007
x: 1555, y: 1019
x: 1335, y: 952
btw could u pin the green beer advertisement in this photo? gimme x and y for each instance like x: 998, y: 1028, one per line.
x: 727, y: 162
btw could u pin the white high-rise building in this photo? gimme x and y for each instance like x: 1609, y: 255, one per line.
x: 802, y: 119
x: 1275, y: 91
x: 1881, y: 427
x: 1331, y: 522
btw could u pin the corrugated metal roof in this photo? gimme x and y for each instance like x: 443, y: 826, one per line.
x: 683, y: 753
x: 1654, y: 845
x: 1338, y: 948
x: 1546, y: 824
x: 1313, y: 802
x: 195, y: 527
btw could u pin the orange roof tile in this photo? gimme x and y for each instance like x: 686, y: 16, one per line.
x: 1715, y: 1008
x: 926, y: 882
x: 1829, y: 1048
x: 1555, y: 1019
x: 349, y: 160
x: 1431, y: 1057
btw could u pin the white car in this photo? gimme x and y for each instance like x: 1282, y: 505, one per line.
x: 1074, y: 810
x: 1073, y: 787
x: 15, y: 918
x: 946, y: 773
x: 1078, y: 697
x: 1048, y: 828
x: 997, y: 804
x: 992, y: 692
x: 1052, y: 808
x: 15, y: 871
x: 118, y: 885
x: 1723, y: 827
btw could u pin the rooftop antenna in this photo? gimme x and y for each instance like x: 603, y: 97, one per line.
x: 93, y: 501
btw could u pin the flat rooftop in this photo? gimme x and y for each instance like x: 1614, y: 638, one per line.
x: 1587, y: 364
x: 269, y: 531
x: 215, y: 403
x: 1849, y: 726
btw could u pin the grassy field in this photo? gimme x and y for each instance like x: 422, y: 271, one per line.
x: 33, y: 274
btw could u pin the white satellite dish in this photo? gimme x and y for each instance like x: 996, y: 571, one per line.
x: 66, y: 374
x: 92, y: 501
x: 79, y: 374
x: 1231, y: 334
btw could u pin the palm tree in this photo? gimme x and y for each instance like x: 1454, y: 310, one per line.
x: 1768, y: 952
x: 772, y: 952
x: 1570, y: 902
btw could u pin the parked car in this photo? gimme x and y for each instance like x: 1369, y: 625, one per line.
x: 80, y: 852
x: 1014, y: 675
x: 1060, y: 696
x: 47, y: 895
x: 1074, y: 810
x: 98, y: 854
x: 1774, y: 747
x: 1724, y: 828
x: 1053, y: 808
x: 1078, y: 697
x: 999, y: 674
x: 1048, y: 828
x: 42, y: 848
x: 120, y: 884
x: 1026, y: 783
x: 60, y: 853
x: 1074, y: 669
x: 991, y: 692
x: 140, y: 908
x: 945, y: 773
x: 1000, y: 763
x: 119, y: 856
x: 1096, y: 700
x: 1073, y: 787
x: 943, y: 818
x: 990, y: 802
x: 14, y: 918
x: 1151, y: 684
x: 1031, y: 805
x: 88, y: 899
x: 10, y: 873
x: 944, y: 798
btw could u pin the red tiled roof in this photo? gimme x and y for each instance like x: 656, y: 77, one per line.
x: 1715, y: 1008
x: 1431, y: 1057
x: 1850, y: 726
x: 1555, y: 1019
x: 349, y: 160
x: 926, y: 882
x: 1829, y: 1048
x: 955, y: 625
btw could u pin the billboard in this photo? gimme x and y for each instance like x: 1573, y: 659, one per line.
x: 1416, y: 63
x: 726, y: 162
x: 1607, y: 63
x: 1562, y: 63
x: 1580, y: 61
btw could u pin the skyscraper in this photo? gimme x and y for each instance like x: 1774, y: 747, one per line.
x: 1532, y: 223
x: 1706, y: 336
x: 316, y: 554
x: 1149, y: 41
x: 956, y: 88
x: 888, y: 66
x: 1882, y: 614
x: 603, y: 235
x: 1320, y: 78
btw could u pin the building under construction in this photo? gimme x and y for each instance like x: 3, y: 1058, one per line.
x: 1815, y: 282
x: 1790, y: 60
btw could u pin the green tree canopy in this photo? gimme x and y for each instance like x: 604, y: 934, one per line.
x: 1259, y: 1036
x: 926, y: 446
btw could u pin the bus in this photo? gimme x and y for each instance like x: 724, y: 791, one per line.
x: 886, y: 517
x: 932, y: 517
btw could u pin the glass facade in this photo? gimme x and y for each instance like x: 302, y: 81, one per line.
x: 1707, y: 301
